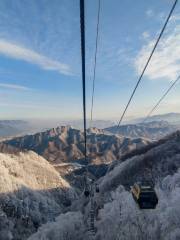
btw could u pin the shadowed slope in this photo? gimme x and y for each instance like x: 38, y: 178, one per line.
x: 31, y: 193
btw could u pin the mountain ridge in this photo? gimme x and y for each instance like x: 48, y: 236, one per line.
x: 66, y: 144
x: 150, y: 130
x: 172, y: 118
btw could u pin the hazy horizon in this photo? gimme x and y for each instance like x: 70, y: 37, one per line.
x: 113, y: 121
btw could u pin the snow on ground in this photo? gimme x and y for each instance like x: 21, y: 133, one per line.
x: 121, y: 219
x: 31, y: 193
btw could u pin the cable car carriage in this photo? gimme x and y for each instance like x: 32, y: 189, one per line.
x: 145, y: 196
x: 87, y: 191
x: 87, y: 188
x: 97, y: 188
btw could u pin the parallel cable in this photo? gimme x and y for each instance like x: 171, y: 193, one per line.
x: 95, y: 61
x: 82, y: 22
x: 161, y: 99
x: 83, y: 57
x: 147, y: 63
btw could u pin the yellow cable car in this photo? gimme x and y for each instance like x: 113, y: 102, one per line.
x: 145, y: 196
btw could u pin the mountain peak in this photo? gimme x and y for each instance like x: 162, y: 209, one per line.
x: 95, y: 130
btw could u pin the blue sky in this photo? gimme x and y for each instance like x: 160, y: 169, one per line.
x: 40, y: 65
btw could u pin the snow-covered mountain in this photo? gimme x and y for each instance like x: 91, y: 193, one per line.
x: 151, y: 130
x: 12, y: 128
x: 63, y: 147
x: 117, y: 216
x: 31, y: 193
x: 172, y: 118
x: 42, y: 205
x: 151, y: 163
x: 66, y: 144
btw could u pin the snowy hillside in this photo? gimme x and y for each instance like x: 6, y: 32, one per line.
x: 117, y: 216
x: 31, y: 193
x: 38, y: 204
x: 150, y: 163
x: 63, y: 147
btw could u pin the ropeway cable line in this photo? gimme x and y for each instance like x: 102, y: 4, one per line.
x: 89, y: 191
x: 147, y: 63
x: 145, y: 67
x: 95, y: 61
x: 83, y: 57
x: 82, y: 23
x: 138, y: 191
x: 161, y: 99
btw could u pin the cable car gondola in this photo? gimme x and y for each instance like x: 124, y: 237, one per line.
x: 86, y: 192
x: 145, y: 196
x: 87, y: 187
x: 97, y: 188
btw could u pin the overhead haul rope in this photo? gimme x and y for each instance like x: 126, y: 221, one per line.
x: 83, y: 57
x: 82, y: 23
x: 147, y: 63
x: 95, y: 61
x: 95, y: 64
x: 161, y: 99
x: 145, y: 67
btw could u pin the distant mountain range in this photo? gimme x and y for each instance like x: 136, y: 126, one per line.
x: 66, y: 144
x: 13, y: 127
x: 151, y: 130
x: 173, y: 118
